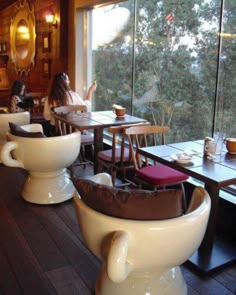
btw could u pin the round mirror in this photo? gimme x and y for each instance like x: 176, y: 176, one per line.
x: 22, y: 37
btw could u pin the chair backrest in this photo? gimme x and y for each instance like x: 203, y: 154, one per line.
x: 22, y: 118
x: 143, y: 136
x: 38, y: 101
x: 62, y: 127
x: 70, y: 108
x: 119, y: 138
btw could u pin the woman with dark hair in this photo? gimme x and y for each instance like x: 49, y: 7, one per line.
x: 61, y: 95
x: 17, y: 101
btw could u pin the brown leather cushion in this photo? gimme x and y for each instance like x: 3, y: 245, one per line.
x: 133, y: 204
x: 18, y: 131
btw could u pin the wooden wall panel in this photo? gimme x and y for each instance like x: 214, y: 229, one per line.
x: 58, y: 55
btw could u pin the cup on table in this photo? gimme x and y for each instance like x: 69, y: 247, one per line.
x: 230, y: 145
x: 120, y: 112
x: 210, y: 149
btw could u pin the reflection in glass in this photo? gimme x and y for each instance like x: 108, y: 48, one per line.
x: 112, y: 35
x: 22, y: 39
x: 165, y: 64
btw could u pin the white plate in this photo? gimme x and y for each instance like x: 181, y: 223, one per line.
x: 182, y: 159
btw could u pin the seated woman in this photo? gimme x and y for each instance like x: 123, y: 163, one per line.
x: 18, y: 102
x: 62, y: 95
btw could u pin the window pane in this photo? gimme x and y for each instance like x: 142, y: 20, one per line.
x: 112, y: 54
x: 226, y: 95
x: 176, y: 65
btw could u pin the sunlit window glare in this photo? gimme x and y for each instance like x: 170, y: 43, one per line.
x: 108, y: 23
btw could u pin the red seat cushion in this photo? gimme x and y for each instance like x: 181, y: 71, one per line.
x: 107, y: 155
x: 161, y: 175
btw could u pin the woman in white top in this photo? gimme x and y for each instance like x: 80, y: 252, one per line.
x: 18, y: 102
x: 62, y: 95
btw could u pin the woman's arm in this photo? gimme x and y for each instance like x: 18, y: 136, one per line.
x: 91, y: 91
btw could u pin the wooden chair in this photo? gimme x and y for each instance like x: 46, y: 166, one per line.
x: 149, y: 172
x: 63, y: 128
x: 118, y: 158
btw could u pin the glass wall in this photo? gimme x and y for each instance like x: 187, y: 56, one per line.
x: 112, y: 54
x: 172, y: 62
x: 226, y: 86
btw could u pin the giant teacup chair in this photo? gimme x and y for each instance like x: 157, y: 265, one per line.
x: 17, y: 118
x: 46, y: 160
x: 63, y: 128
x: 142, y: 257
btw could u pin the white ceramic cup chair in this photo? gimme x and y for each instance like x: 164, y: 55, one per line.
x: 143, y: 257
x: 46, y: 160
x: 17, y: 118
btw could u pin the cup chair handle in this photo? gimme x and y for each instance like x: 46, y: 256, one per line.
x: 118, y: 267
x: 6, y: 155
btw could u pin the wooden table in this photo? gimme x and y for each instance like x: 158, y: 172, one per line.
x: 97, y: 121
x: 216, y: 174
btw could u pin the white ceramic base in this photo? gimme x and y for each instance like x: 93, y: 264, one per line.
x: 48, y: 187
x: 170, y: 282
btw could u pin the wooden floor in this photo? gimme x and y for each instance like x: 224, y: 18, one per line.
x: 42, y: 251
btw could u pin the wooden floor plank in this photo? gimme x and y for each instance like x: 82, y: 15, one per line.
x: 191, y: 291
x: 67, y: 214
x: 42, y: 250
x: 27, y: 271
x: 66, y: 281
x: 226, y: 279
x: 204, y: 284
x: 36, y: 235
x: 71, y: 247
x: 8, y: 283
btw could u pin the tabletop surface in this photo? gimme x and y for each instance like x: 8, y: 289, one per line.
x: 221, y: 170
x: 93, y: 120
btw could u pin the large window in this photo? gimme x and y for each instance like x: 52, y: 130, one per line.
x: 172, y: 62
x: 112, y: 55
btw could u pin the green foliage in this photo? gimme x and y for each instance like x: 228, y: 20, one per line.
x: 174, y: 82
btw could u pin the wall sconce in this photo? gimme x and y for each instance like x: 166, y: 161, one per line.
x: 51, y: 19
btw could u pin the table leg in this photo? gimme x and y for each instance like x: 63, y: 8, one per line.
x: 213, y: 253
x: 208, y: 240
x: 98, y: 145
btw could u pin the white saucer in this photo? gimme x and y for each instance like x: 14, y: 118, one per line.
x: 182, y: 159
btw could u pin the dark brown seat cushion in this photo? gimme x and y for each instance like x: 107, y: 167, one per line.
x: 19, y: 131
x: 132, y: 204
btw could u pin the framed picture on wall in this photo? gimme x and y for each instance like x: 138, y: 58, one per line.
x: 46, y: 68
x: 47, y: 42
